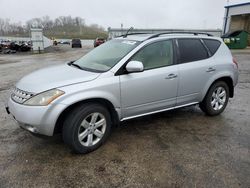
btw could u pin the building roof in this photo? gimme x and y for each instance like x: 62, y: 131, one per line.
x: 237, y: 5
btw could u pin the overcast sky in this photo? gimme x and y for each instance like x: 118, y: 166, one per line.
x: 190, y: 14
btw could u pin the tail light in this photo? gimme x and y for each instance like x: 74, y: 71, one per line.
x: 235, y: 62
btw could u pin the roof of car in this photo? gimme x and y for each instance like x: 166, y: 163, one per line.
x: 144, y: 37
x: 137, y: 37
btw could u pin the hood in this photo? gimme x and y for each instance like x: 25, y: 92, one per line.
x: 54, y: 77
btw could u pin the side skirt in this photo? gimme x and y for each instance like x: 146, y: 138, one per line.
x: 154, y: 112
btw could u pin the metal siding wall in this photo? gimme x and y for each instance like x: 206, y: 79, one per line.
x: 245, y: 9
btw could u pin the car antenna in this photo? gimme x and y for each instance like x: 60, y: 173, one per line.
x: 130, y: 29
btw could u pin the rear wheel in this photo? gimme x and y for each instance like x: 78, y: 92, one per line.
x: 87, y: 128
x: 216, y: 99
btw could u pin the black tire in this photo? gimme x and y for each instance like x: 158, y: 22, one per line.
x: 72, y: 127
x: 206, y: 105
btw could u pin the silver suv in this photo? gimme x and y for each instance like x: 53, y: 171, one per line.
x: 127, y: 77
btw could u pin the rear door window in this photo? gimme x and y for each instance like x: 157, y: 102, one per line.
x: 191, y: 50
x: 212, y: 45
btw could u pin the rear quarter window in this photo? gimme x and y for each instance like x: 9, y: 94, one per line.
x: 191, y: 50
x: 212, y: 45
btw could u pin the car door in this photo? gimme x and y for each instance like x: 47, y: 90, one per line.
x: 155, y: 88
x: 195, y: 68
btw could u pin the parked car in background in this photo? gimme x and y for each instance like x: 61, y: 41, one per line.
x: 64, y: 42
x: 98, y: 41
x: 15, y: 46
x: 5, y: 44
x: 125, y: 78
x: 25, y: 46
x: 76, y: 43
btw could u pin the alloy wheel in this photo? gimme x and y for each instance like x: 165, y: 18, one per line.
x: 92, y: 129
x: 218, y: 98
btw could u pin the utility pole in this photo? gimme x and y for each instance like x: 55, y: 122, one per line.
x: 80, y: 25
x: 121, y: 28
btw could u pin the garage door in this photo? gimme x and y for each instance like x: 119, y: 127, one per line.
x: 241, y: 22
x: 237, y: 23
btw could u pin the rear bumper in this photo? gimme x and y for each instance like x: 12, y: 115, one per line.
x: 76, y: 45
x: 36, y: 119
x: 236, y: 77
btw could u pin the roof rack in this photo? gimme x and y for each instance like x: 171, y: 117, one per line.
x: 178, y: 32
x: 164, y: 33
x: 138, y: 33
x: 127, y: 33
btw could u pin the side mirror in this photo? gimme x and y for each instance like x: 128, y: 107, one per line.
x: 134, y: 66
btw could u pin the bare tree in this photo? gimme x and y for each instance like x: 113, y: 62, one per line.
x: 61, y: 26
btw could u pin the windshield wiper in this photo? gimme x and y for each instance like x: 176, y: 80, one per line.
x: 75, y: 65
x: 84, y: 68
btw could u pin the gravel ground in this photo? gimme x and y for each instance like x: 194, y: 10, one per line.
x: 180, y: 148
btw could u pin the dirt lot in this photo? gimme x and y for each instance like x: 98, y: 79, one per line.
x: 180, y: 148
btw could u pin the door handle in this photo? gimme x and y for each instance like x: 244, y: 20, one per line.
x: 211, y: 69
x: 171, y: 76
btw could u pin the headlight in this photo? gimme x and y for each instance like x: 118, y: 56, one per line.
x: 44, y: 98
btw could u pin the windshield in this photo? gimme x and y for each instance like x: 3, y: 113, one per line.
x: 107, y: 55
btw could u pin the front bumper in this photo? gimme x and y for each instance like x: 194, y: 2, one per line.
x: 36, y: 119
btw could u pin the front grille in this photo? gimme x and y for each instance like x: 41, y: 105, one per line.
x: 20, y: 96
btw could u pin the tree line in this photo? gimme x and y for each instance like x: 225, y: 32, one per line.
x: 60, y: 27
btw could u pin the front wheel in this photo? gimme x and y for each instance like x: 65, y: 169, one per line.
x: 216, y: 99
x: 87, y: 128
